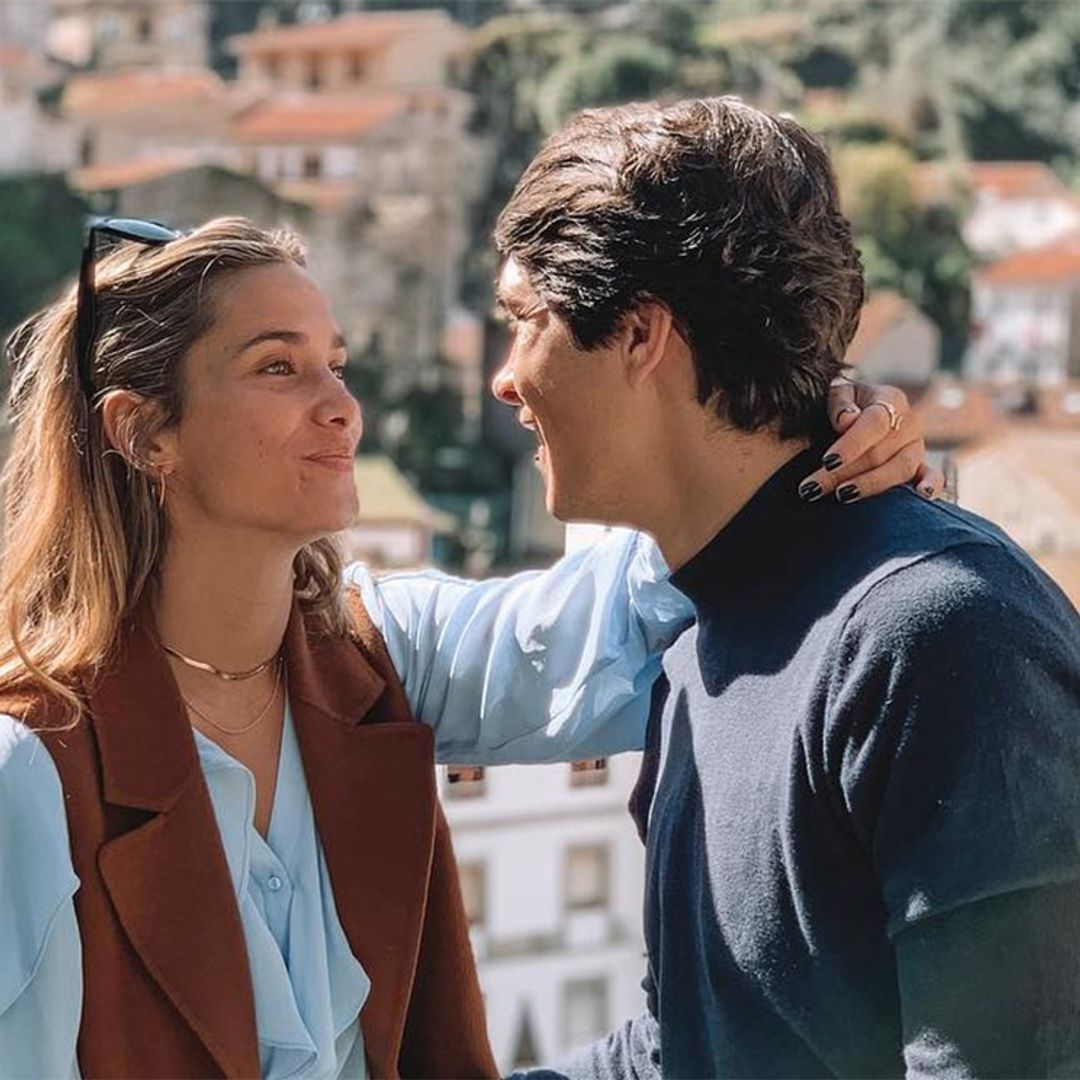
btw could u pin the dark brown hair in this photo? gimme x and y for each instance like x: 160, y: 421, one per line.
x: 722, y: 212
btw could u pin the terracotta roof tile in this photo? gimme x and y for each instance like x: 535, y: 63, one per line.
x: 115, y: 177
x: 1014, y: 179
x: 359, y: 30
x: 318, y: 118
x: 879, y: 313
x: 139, y: 91
x: 1056, y: 263
x: 953, y: 413
x: 937, y: 180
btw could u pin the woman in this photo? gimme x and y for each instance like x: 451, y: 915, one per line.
x: 228, y: 857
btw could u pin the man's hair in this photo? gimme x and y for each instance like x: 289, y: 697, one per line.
x: 727, y: 215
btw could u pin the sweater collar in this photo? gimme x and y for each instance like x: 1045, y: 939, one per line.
x: 762, y: 538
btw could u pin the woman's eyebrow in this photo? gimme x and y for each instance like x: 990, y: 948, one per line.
x: 290, y: 337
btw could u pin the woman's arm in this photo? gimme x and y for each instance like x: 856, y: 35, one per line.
x: 550, y: 665
x: 40, y: 950
x: 557, y: 665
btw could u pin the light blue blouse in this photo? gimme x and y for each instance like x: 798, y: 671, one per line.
x: 550, y: 665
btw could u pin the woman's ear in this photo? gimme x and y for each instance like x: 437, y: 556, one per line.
x: 132, y: 426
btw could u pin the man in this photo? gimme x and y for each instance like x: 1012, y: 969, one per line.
x: 860, y: 800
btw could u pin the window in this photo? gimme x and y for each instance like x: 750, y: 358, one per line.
x: 586, y: 882
x: 464, y: 781
x: 588, y: 773
x: 312, y: 165
x: 357, y: 67
x: 144, y: 28
x: 585, y: 1011
x: 314, y: 73
x: 474, y: 891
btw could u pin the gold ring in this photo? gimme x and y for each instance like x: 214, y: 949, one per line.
x: 895, y: 419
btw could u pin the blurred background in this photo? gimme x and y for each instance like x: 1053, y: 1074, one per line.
x: 389, y: 134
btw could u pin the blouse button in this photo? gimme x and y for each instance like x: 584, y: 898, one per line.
x: 273, y: 883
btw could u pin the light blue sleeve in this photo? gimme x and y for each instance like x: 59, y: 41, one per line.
x: 40, y: 951
x: 552, y: 665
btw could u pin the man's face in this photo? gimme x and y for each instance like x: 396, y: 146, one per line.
x: 576, y: 402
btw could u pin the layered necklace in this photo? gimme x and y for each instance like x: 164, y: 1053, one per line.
x: 233, y: 676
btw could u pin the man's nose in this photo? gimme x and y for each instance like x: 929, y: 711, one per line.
x: 502, y: 386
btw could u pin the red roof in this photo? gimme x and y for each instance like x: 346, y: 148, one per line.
x: 881, y: 311
x: 1014, y: 179
x: 954, y: 413
x: 15, y: 56
x: 127, y: 174
x: 358, y: 30
x: 935, y: 180
x: 129, y: 91
x: 1054, y: 264
x: 318, y: 118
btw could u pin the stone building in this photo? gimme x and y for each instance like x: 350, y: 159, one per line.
x: 121, y: 34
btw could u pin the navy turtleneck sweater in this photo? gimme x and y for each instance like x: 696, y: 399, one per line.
x: 861, y: 804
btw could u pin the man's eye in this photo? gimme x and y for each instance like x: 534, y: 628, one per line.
x: 339, y: 371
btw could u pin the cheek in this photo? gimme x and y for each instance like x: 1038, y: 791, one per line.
x: 233, y: 445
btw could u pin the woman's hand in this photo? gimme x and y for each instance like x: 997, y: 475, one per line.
x: 880, y: 446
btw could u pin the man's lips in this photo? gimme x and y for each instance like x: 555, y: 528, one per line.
x: 338, y: 460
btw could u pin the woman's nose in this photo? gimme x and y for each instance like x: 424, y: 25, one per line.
x: 340, y: 409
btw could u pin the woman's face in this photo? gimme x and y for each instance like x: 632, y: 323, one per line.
x: 269, y: 430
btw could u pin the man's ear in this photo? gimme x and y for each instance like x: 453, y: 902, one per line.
x: 648, y: 329
x: 133, y: 428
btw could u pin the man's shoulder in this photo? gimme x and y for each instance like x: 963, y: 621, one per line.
x: 964, y: 585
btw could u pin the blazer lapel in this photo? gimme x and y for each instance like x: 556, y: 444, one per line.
x: 372, y: 788
x: 168, y: 878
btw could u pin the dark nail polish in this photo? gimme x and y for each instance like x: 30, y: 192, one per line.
x: 809, y: 490
x: 847, y: 493
x: 927, y: 491
x: 832, y: 462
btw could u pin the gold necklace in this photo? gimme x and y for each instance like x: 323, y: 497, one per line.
x: 247, y: 727
x: 228, y: 676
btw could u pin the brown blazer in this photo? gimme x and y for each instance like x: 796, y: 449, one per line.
x: 167, y: 987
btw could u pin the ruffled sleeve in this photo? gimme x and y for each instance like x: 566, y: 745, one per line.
x: 40, y: 952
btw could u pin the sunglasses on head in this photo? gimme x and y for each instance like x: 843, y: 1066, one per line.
x: 143, y: 232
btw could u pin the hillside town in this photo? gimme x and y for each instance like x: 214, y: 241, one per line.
x: 381, y: 135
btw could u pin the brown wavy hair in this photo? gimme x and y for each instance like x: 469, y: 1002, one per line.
x: 727, y: 215
x: 83, y: 529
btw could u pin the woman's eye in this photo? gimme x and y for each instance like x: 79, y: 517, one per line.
x: 278, y: 367
x: 339, y: 371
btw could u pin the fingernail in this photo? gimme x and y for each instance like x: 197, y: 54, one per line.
x: 832, y: 462
x: 810, y: 490
x: 847, y: 493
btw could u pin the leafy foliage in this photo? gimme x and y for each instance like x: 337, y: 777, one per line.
x: 41, y: 223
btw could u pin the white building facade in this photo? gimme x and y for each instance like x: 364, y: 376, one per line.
x: 552, y: 871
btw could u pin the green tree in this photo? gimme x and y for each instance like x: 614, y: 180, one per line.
x: 41, y: 224
x: 915, y: 249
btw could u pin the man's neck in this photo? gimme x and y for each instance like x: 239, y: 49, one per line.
x: 707, y: 483
x: 224, y: 597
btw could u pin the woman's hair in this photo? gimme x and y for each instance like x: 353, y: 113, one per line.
x: 83, y: 529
